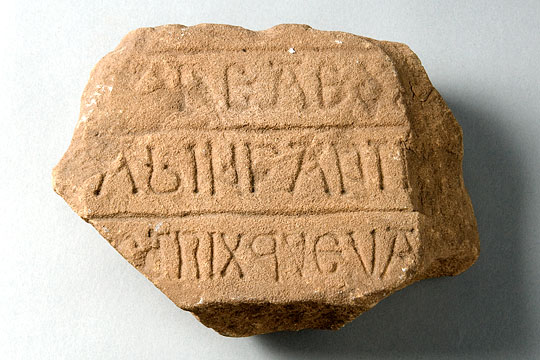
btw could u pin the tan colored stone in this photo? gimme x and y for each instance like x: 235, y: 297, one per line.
x: 274, y: 180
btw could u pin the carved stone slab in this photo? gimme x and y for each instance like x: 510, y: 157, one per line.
x: 275, y: 180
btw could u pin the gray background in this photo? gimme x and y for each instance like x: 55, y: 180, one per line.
x: 65, y: 293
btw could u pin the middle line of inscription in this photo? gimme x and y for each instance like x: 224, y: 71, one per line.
x: 208, y: 167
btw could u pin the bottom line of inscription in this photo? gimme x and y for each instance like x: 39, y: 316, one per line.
x: 262, y: 253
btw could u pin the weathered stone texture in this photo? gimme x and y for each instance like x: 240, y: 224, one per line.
x: 274, y: 180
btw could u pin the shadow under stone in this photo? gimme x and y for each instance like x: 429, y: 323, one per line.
x: 478, y: 312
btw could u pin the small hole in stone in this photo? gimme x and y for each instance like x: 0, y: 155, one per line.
x: 165, y: 167
x: 244, y: 50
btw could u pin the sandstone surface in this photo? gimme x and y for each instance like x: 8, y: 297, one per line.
x: 274, y: 180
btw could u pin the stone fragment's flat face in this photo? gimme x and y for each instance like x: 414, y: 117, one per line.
x: 271, y: 180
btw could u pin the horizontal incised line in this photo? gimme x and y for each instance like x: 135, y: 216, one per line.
x: 279, y: 50
x: 299, y: 128
x: 132, y: 215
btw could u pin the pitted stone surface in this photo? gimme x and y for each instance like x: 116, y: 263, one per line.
x: 274, y: 180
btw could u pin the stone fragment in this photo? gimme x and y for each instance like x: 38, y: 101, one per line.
x: 273, y: 180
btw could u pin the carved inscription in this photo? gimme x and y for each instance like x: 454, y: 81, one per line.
x: 273, y: 90
x: 279, y: 144
x: 273, y: 180
x: 183, y: 251
x: 272, y: 81
x: 279, y: 171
